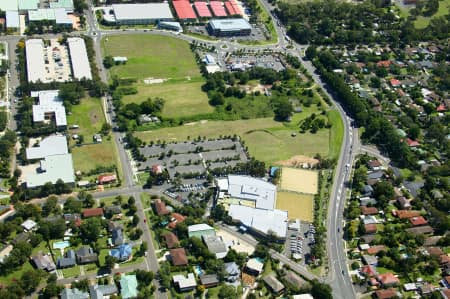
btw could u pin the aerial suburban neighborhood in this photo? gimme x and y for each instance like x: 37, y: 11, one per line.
x: 224, y: 149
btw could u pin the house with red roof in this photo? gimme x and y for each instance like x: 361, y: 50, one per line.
x: 441, y: 108
x: 412, y: 143
x: 418, y: 221
x: 385, y: 294
x: 175, y: 218
x: 384, y: 63
x: 107, y: 179
x: 160, y: 207
x: 395, y: 82
x: 388, y: 279
x: 370, y: 228
x: 369, y: 271
x: 375, y: 249
x: 93, y: 212
x: 405, y: 214
x: 368, y: 210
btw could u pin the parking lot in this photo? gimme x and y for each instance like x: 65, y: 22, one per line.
x: 190, y: 160
x: 57, y: 62
x: 298, y: 242
x: 242, y: 62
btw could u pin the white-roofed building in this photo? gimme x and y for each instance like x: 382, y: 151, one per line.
x: 79, y: 58
x: 260, y: 221
x: 262, y: 193
x: 254, y: 266
x: 50, y: 108
x: 303, y: 296
x: 52, y: 145
x: 185, y: 283
x: 200, y: 230
x: 51, y: 169
x: 12, y: 19
x: 34, y: 49
x: 29, y: 225
x: 142, y: 13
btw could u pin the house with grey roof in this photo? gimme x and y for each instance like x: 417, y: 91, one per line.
x: 215, y: 245
x: 73, y: 294
x: 99, y: 291
x: 86, y: 255
x: 117, y: 236
x: 43, y: 262
x: 273, y: 283
x: 69, y: 260
x: 232, y: 271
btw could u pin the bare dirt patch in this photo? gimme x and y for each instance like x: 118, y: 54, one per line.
x: 298, y: 161
x: 94, y: 117
x: 299, y: 180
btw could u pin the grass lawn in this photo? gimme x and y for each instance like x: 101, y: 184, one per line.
x: 88, y: 157
x: 299, y: 206
x: 181, y: 98
x: 89, y: 116
x: 422, y: 22
x: 71, y: 272
x: 14, y: 276
x: 267, y: 140
x: 336, y: 133
x: 150, y: 56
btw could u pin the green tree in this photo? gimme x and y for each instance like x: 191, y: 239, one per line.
x: 227, y: 292
x: 320, y: 290
x: 30, y: 280
x: 108, y: 62
x: 91, y: 228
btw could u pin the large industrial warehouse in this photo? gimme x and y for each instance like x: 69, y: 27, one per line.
x: 229, y: 27
x: 141, y: 14
x: 79, y: 58
x: 34, y: 49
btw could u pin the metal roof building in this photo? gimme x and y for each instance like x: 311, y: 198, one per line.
x: 261, y: 221
x: 184, y: 10
x: 142, y: 13
x: 12, y: 19
x: 218, y: 9
x: 66, y: 4
x: 202, y: 9
x: 28, y: 4
x: 79, y: 58
x: 253, y: 189
x: 6, y: 5
x: 51, y: 169
x: 229, y: 27
x: 50, y: 106
x: 34, y: 49
x: 52, y: 145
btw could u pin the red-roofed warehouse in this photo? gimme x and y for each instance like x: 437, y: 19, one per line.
x: 218, y: 9
x: 184, y: 10
x: 202, y: 9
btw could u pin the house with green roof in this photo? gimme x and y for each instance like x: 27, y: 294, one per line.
x: 25, y: 5
x: 128, y: 286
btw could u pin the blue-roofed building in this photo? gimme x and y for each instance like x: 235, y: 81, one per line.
x: 25, y: 5
x: 122, y: 253
x: 6, y: 5
x: 229, y: 27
